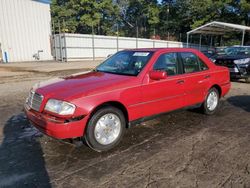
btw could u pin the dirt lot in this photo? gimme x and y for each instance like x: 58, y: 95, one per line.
x: 181, y: 149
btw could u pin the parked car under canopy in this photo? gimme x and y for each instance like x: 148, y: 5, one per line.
x: 219, y: 29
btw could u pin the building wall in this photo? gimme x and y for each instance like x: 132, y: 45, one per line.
x: 25, y: 29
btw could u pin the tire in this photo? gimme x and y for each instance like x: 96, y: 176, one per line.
x: 210, y: 108
x: 105, y: 129
x: 247, y: 80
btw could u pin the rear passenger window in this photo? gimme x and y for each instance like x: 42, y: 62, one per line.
x: 192, y: 63
x: 167, y: 62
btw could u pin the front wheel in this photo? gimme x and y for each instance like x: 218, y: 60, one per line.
x: 211, y: 102
x: 105, y: 129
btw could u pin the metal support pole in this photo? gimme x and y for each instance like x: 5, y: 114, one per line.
x: 61, y: 48
x: 65, y: 48
x: 136, y: 35
x: 55, y: 46
x: 60, y: 41
x: 64, y: 43
x: 93, y: 42
x: 117, y: 39
x: 54, y: 41
x: 243, y: 38
x: 211, y: 42
x: 187, y: 40
x: 221, y: 40
x: 200, y: 43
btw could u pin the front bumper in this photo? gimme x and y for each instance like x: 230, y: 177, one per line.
x: 239, y: 72
x: 234, y: 75
x: 54, y: 129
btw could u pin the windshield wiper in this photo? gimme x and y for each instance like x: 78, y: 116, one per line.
x: 117, y: 73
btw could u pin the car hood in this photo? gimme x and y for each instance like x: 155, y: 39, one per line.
x: 84, y: 84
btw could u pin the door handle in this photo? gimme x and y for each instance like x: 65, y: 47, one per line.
x: 180, y: 82
x: 207, y: 76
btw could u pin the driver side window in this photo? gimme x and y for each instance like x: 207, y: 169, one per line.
x: 167, y: 62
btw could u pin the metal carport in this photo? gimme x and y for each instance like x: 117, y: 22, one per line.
x: 218, y: 28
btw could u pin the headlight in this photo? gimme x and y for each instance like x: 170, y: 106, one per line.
x: 60, y: 107
x: 242, y: 61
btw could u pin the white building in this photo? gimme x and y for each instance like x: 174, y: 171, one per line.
x: 25, y: 29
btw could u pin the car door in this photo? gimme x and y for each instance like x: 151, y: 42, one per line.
x: 166, y: 94
x: 197, y: 78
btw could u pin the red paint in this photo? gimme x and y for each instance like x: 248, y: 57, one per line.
x: 140, y: 95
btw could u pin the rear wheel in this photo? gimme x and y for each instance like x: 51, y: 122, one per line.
x: 211, y: 102
x: 105, y: 128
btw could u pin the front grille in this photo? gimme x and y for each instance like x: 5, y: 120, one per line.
x: 226, y: 63
x: 35, y: 100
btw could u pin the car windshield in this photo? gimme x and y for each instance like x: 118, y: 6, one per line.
x: 237, y: 50
x: 220, y: 50
x: 125, y: 63
x: 208, y: 53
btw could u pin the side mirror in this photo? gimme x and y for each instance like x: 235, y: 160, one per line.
x: 157, y: 74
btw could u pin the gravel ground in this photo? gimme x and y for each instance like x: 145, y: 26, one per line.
x: 180, y: 149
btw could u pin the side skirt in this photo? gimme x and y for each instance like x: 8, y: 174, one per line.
x: 143, y: 119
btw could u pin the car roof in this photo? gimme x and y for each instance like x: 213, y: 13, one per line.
x: 238, y: 46
x: 163, y: 49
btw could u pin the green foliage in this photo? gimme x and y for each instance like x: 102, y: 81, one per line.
x: 145, y: 17
x: 80, y: 16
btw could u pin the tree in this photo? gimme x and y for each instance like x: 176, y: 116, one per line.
x: 244, y: 7
x: 175, y: 17
x: 81, y: 16
x: 110, y: 17
x: 148, y: 17
x: 61, y: 12
x: 138, y: 14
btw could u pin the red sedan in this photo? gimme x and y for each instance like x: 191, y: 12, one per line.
x: 128, y: 87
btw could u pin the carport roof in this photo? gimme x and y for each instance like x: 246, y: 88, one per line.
x: 219, y: 28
